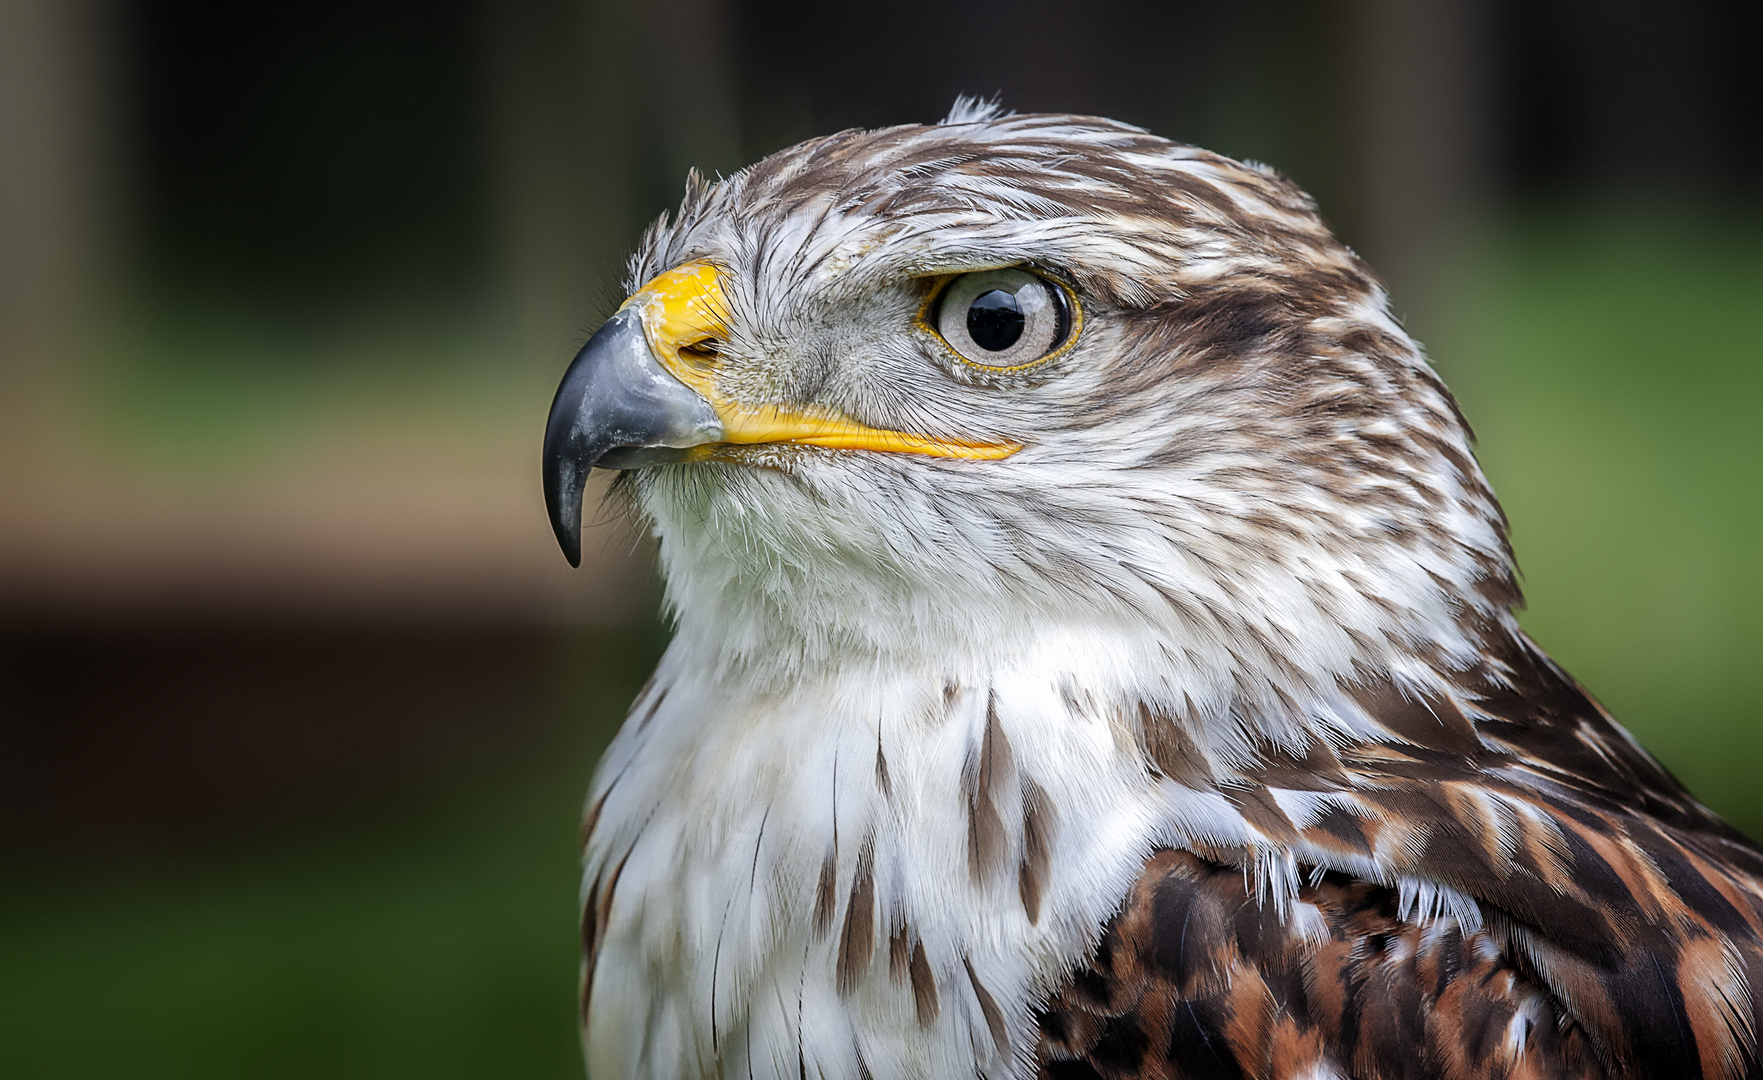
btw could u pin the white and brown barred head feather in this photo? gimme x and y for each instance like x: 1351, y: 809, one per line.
x: 1241, y: 444
x: 1396, y: 840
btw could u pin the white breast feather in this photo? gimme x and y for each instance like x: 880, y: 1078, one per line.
x: 728, y: 806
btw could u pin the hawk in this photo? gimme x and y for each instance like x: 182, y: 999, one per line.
x: 1095, y: 657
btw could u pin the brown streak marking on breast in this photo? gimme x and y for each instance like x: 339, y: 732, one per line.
x: 824, y: 901
x: 985, y: 829
x: 857, y: 941
x: 924, y: 987
x: 989, y: 1009
x: 1037, y: 827
x: 592, y: 819
x: 882, y: 779
x: 590, y: 935
x: 654, y: 706
x: 600, y: 905
x: 899, y: 953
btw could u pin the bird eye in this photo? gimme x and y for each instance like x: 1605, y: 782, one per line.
x: 1003, y: 318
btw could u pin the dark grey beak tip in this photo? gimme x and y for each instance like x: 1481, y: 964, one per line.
x: 563, y: 503
x: 615, y: 407
x: 568, y: 459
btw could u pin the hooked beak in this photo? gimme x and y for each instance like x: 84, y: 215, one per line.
x: 616, y: 408
x: 643, y: 391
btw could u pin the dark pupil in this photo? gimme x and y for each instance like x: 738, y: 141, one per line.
x: 994, y: 321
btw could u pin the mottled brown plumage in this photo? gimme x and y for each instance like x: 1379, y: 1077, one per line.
x: 1617, y: 928
x: 1195, y: 981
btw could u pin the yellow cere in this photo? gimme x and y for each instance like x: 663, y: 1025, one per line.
x: 685, y: 308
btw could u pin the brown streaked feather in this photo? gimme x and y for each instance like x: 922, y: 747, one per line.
x: 1037, y: 848
x: 857, y: 939
x: 985, y: 771
x: 924, y: 987
x: 1168, y: 747
x: 1256, y: 805
x: 596, y: 912
x: 899, y: 953
x: 1620, y: 923
x: 1316, y: 769
x: 988, y: 1008
x: 654, y: 704
x: 1194, y: 979
x: 882, y: 779
x: 825, y: 900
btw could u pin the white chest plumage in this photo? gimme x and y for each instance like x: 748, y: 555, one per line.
x: 871, y: 876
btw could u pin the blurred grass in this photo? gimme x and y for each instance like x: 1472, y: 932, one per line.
x: 1610, y: 362
x: 442, y: 949
x: 199, y: 387
x: 437, y: 939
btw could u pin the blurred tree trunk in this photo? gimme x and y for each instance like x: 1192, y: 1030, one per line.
x: 558, y: 135
x: 1422, y: 119
x: 55, y: 200
x: 694, y: 106
x: 596, y: 109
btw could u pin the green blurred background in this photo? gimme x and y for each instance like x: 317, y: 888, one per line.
x: 298, y: 699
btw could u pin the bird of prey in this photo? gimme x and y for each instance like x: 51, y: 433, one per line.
x: 1095, y: 657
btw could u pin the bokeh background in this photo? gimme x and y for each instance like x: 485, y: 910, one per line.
x: 298, y: 699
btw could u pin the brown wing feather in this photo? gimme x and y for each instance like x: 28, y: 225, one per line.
x: 1621, y: 923
x: 1195, y: 980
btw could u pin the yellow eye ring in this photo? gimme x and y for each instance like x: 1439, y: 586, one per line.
x: 1004, y: 320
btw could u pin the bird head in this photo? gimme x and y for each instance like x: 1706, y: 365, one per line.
x: 931, y: 392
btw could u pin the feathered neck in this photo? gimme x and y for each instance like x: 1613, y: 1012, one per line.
x: 765, y: 588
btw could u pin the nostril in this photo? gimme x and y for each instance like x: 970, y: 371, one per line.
x: 703, y: 353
